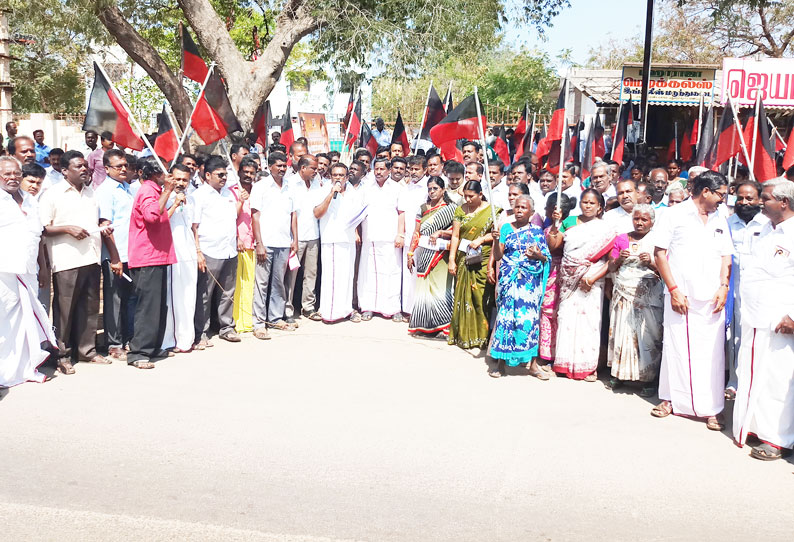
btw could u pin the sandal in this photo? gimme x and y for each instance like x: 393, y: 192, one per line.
x: 662, y: 410
x: 281, y: 325
x: 261, y: 334
x: 730, y: 394
x: 540, y: 374
x: 766, y: 452
x: 613, y: 383
x: 141, y: 364
x: 100, y: 360
x: 355, y: 317
x: 715, y: 423
x: 591, y: 378
x: 65, y: 366
x: 647, y: 391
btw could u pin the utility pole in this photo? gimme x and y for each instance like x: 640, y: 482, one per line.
x: 6, y: 86
x: 646, y: 66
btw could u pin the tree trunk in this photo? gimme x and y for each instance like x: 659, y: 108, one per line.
x: 149, y: 59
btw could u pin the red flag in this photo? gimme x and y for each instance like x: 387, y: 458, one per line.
x: 166, y: 144
x: 193, y: 66
x: 671, y: 148
x: 354, y: 127
x: 686, y: 146
x: 589, y: 150
x: 599, y: 147
x: 398, y: 135
x: 572, y: 153
x: 520, y: 132
x: 106, y: 114
x: 557, y: 123
x: 348, y: 111
x: 500, y: 145
x: 261, y: 124
x: 764, y: 160
x: 727, y: 143
x: 287, y: 134
x: 621, y: 129
x: 434, y: 113
x: 460, y: 123
x: 367, y: 140
x: 788, y: 158
x: 214, y: 118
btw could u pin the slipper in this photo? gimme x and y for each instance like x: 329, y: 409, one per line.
x: 766, y: 452
x: 141, y: 364
x: 647, y: 391
x: 730, y: 394
x: 355, y: 317
x: 65, y: 366
x: 613, y: 383
x: 591, y: 378
x: 100, y: 360
x: 539, y: 374
x: 662, y: 410
x: 714, y: 423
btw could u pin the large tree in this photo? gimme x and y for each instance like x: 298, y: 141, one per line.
x: 405, y: 34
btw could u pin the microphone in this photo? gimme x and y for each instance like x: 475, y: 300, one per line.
x: 336, y: 193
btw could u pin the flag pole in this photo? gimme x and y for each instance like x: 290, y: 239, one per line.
x: 777, y: 134
x: 132, y: 118
x: 424, y: 116
x: 487, y: 176
x: 700, y: 119
x: 532, y: 135
x: 347, y: 128
x: 756, y: 129
x: 190, y: 120
x: 675, y: 137
x: 741, y: 139
x: 449, y: 93
x: 562, y: 142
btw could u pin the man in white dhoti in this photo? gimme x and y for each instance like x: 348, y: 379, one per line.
x: 380, y: 267
x: 764, y: 404
x: 693, y: 256
x: 180, y: 331
x: 745, y: 224
x: 340, y: 212
x: 23, y: 321
x: 413, y: 195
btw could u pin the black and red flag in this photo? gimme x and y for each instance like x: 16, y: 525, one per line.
x: 706, y: 139
x: 367, y: 140
x: 434, y: 113
x: 460, y: 123
x: 764, y: 156
x: 588, y: 156
x: 557, y: 123
x: 398, y: 135
x: 625, y: 120
x: 726, y: 144
x: 261, y: 124
x: 166, y: 143
x: 448, y: 100
x: 685, y: 152
x: 193, y: 66
x: 788, y: 157
x: 214, y: 118
x: 599, y: 146
x: 105, y: 113
x: 521, y: 131
x: 354, y: 123
x: 500, y: 145
x: 287, y: 133
x: 348, y: 111
x: 573, y: 153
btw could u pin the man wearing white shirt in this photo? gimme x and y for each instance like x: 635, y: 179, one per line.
x: 411, y: 199
x: 620, y: 217
x: 215, y: 231
x: 306, y: 193
x: 746, y: 224
x: 435, y: 166
x: 23, y: 320
x: 693, y: 256
x: 764, y: 404
x: 115, y: 197
x: 296, y: 152
x: 275, y: 226
x: 54, y: 175
x: 364, y: 156
x: 499, y: 188
x: 453, y: 173
x: 91, y: 139
x: 522, y: 173
x: 340, y: 212
x: 380, y: 276
x: 399, y: 168
x: 381, y: 134
x: 236, y: 153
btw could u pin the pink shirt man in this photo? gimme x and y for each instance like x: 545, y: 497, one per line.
x: 150, y: 241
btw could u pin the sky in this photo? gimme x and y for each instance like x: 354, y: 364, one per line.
x: 583, y: 26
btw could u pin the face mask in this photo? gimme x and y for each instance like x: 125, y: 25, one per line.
x: 747, y: 212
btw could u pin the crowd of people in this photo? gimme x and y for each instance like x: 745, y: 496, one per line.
x: 680, y: 282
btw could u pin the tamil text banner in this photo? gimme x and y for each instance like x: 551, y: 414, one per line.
x: 669, y: 85
x: 743, y: 79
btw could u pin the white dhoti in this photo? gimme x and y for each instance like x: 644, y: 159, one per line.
x: 692, y: 375
x: 336, y: 287
x: 24, y: 326
x: 765, y: 395
x: 379, y: 278
x: 408, y: 282
x: 180, y: 331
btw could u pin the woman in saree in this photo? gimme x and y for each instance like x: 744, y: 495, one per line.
x: 470, y: 249
x: 637, y: 308
x: 558, y: 218
x: 434, y: 290
x: 586, y: 246
x: 520, y: 248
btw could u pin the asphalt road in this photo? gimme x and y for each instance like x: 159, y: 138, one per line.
x: 358, y: 432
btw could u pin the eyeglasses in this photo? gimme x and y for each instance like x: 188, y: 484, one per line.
x: 120, y: 166
x: 219, y: 175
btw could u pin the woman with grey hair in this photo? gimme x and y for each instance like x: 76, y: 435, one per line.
x: 637, y: 307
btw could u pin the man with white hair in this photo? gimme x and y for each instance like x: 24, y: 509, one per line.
x: 24, y: 323
x: 764, y: 404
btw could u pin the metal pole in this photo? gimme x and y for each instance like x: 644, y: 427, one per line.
x: 675, y: 136
x: 190, y: 120
x: 646, y: 66
x: 756, y: 129
x: 132, y: 118
x: 484, y: 156
x: 741, y: 140
x: 424, y: 116
x: 562, y: 142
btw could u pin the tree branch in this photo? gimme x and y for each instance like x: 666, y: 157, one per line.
x: 212, y: 34
x: 147, y: 57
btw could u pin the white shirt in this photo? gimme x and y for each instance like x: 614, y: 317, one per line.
x: 275, y: 207
x: 694, y: 249
x: 412, y: 197
x: 743, y: 236
x: 20, y: 229
x: 181, y: 231
x: 52, y: 178
x: 344, y: 214
x: 620, y: 220
x: 381, y: 222
x: 115, y: 204
x: 216, y: 215
x: 499, y: 195
x: 768, y: 277
x: 304, y: 200
x: 232, y: 179
x: 63, y: 205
